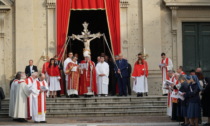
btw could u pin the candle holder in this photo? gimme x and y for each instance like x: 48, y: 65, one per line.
x: 44, y: 58
x: 145, y: 56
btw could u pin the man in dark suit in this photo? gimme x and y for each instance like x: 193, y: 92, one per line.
x: 30, y: 68
x: 122, y: 75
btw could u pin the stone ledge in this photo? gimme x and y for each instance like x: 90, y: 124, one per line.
x: 187, y: 3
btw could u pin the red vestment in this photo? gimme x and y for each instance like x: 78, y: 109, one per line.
x: 85, y: 78
x: 140, y: 69
x: 73, y: 76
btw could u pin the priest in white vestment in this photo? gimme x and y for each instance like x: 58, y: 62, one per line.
x: 30, y: 81
x: 13, y: 90
x: 102, y: 72
x: 22, y: 93
x: 171, y: 78
x: 39, y: 90
x: 66, y: 62
x: 165, y: 65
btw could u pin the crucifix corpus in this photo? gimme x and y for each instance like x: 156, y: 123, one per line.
x: 86, y: 37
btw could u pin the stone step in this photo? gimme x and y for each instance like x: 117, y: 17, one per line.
x: 102, y: 114
x: 102, y: 99
x: 103, y: 104
x: 98, y: 114
x: 99, y: 109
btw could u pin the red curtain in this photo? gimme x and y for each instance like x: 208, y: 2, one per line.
x: 87, y: 4
x: 113, y: 15
x: 112, y: 8
x: 63, y: 13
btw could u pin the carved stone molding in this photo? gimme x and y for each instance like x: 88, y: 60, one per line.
x: 187, y: 3
x: 51, y: 3
x: 124, y: 3
x: 4, y: 7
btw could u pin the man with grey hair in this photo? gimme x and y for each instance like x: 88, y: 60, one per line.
x: 30, y: 81
x: 22, y: 93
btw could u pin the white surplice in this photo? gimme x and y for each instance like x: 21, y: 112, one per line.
x: 140, y: 85
x: 39, y: 101
x: 30, y: 81
x: 169, y: 101
x: 66, y: 62
x: 12, y: 99
x: 102, y: 81
x: 22, y: 93
x: 164, y: 73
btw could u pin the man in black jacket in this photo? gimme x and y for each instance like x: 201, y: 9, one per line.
x: 30, y: 68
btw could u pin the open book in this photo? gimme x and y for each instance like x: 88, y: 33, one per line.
x: 168, y: 83
x: 162, y: 65
x: 177, y: 95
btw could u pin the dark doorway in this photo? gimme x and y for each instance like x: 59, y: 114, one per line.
x: 196, y: 46
x: 97, y: 23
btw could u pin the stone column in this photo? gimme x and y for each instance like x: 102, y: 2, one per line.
x: 24, y: 35
x: 152, y: 32
x: 124, y: 26
x: 2, y: 51
x: 51, y: 28
x: 174, y: 36
x: 3, y: 82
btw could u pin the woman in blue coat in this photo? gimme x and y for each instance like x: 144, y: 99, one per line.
x: 194, y: 103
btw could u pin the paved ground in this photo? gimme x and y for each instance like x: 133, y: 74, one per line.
x: 99, y: 121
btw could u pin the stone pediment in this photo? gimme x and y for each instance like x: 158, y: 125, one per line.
x: 5, y: 4
x: 187, y: 3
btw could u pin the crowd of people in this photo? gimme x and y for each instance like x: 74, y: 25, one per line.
x: 187, y: 93
x: 28, y: 97
x: 105, y: 77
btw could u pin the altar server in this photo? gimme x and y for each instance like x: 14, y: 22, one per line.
x: 54, y: 78
x: 139, y: 76
x: 102, y: 72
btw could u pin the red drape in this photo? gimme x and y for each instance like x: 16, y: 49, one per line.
x: 87, y: 4
x: 112, y: 8
x: 63, y: 13
x: 113, y: 15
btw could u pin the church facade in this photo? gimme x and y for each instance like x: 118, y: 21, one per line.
x: 28, y: 31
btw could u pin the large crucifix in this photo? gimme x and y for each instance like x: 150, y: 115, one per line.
x: 86, y: 37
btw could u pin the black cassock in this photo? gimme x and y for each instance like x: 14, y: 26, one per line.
x: 205, y: 99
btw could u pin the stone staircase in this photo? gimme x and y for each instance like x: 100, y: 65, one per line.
x: 101, y: 106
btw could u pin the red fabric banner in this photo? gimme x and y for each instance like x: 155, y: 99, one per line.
x: 87, y: 4
x: 63, y: 13
x: 113, y: 15
x: 112, y: 8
